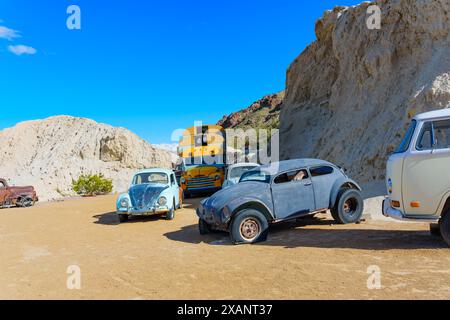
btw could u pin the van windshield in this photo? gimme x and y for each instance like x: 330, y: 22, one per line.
x: 408, y: 137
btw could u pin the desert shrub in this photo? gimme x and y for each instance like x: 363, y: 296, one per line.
x: 92, y: 184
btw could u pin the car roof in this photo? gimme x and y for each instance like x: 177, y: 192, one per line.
x: 154, y: 170
x: 295, y: 164
x: 244, y: 164
x: 436, y: 114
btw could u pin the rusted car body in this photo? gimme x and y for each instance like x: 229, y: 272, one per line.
x: 11, y: 196
x: 279, y: 192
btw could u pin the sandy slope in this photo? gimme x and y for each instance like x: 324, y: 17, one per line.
x: 157, y: 259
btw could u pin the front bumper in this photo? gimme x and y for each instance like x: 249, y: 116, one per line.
x: 213, y: 218
x: 390, y: 212
x: 143, y: 212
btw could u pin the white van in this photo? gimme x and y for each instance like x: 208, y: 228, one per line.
x: 418, y: 173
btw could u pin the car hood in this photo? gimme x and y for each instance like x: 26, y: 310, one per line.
x: 145, y: 195
x: 240, y: 190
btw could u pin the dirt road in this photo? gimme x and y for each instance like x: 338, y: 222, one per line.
x: 157, y: 259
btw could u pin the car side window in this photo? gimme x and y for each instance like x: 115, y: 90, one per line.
x: 291, y: 176
x: 172, y: 179
x: 321, y: 171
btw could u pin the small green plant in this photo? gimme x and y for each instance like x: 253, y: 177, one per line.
x: 92, y: 185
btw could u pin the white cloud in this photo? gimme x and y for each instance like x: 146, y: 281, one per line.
x: 7, y: 33
x: 21, y: 49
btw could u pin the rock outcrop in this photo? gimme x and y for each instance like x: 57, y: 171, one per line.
x: 50, y: 153
x: 351, y: 94
x: 262, y: 114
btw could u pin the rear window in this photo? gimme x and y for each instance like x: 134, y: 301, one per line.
x: 321, y: 171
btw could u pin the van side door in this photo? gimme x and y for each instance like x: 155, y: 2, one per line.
x: 426, y: 169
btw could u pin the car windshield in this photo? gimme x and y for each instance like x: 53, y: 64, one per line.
x: 256, y: 175
x: 408, y: 137
x: 151, y: 178
x: 239, y: 171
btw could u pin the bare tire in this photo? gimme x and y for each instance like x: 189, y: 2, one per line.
x: 249, y: 226
x: 123, y: 218
x: 349, y: 207
x: 25, y: 202
x: 203, y: 227
x: 171, y: 214
x: 444, y: 225
x: 435, y: 230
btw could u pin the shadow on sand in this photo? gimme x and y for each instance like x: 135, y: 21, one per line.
x: 292, y: 235
x: 111, y: 219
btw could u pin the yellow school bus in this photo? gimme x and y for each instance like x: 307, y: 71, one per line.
x: 202, y: 150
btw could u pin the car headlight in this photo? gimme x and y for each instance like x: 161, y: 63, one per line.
x: 217, y: 177
x: 124, y: 203
x: 183, y: 180
x: 162, y: 201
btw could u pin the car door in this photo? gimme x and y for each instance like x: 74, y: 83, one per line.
x: 426, y: 174
x: 292, y: 196
x: 175, y: 189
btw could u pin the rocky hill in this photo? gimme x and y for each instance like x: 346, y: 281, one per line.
x: 351, y: 94
x: 263, y: 114
x: 50, y: 153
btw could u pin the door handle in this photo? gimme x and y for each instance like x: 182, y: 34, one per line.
x: 308, y: 184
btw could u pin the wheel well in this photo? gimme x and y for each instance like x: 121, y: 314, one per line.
x: 446, y: 207
x: 257, y: 206
x: 349, y: 185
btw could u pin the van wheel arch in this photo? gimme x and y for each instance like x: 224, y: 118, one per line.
x: 446, y: 208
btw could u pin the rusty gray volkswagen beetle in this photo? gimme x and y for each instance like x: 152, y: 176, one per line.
x: 278, y: 192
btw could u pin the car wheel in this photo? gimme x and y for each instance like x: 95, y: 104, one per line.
x: 249, y: 226
x: 435, y: 230
x: 203, y: 227
x: 444, y: 225
x: 171, y: 214
x: 25, y: 202
x: 123, y: 218
x: 349, y: 207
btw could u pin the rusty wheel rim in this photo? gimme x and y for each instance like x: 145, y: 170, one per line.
x: 250, y: 229
x: 350, y: 206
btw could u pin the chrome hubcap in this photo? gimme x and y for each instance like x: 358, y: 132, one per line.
x: 250, y: 229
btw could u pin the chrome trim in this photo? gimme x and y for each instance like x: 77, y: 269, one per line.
x: 395, y: 214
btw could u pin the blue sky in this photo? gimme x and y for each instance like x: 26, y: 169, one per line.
x: 150, y: 66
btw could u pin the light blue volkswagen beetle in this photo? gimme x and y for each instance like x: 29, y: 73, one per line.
x: 152, y: 192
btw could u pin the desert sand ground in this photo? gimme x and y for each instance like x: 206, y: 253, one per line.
x: 156, y: 259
